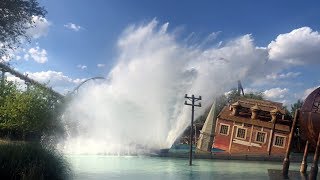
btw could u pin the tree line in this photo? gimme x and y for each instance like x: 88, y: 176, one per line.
x: 29, y: 114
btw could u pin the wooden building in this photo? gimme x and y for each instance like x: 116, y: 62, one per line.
x: 251, y: 126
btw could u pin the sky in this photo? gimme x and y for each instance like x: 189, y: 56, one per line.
x: 82, y: 39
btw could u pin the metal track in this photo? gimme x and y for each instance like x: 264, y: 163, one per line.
x: 76, y: 89
x: 6, y: 68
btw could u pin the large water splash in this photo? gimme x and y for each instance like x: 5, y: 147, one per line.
x: 141, y: 104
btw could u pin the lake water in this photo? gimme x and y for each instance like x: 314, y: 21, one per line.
x: 94, y: 167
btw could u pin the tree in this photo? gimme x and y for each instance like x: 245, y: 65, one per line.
x: 29, y: 114
x: 296, y: 106
x: 15, y: 20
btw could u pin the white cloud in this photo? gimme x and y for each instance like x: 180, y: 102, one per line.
x: 308, y: 91
x: 37, y: 54
x: 78, y: 80
x: 277, y: 76
x: 26, y: 57
x: 21, y: 84
x: 214, y: 35
x: 276, y: 93
x: 80, y: 66
x: 101, y: 65
x: 55, y: 79
x: 14, y: 79
x: 300, y: 46
x: 73, y: 27
x: 40, y: 27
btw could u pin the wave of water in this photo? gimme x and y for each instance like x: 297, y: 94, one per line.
x: 141, y: 105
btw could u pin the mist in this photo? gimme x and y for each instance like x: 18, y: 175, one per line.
x: 141, y: 105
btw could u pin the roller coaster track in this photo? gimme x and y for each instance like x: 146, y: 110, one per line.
x: 27, y: 80
x: 83, y: 82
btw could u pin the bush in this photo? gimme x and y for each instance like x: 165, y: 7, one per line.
x: 31, y: 161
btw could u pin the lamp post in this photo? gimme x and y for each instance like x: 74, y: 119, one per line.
x: 193, y: 100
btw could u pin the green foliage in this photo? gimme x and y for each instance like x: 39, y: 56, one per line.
x: 30, y: 161
x: 15, y: 19
x: 255, y: 95
x: 295, y: 106
x: 233, y: 95
x: 28, y: 114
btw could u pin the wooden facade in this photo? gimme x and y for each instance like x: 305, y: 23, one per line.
x: 252, y: 127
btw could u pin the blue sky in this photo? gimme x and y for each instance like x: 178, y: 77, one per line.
x: 76, y: 36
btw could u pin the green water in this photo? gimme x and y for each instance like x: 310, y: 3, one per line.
x: 87, y: 167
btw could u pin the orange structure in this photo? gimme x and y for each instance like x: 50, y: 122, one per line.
x: 251, y: 126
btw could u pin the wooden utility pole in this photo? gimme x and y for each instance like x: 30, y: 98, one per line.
x: 193, y: 100
x: 286, y: 161
x: 314, y: 167
x: 304, y: 163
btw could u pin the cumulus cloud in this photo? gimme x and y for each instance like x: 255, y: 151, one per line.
x: 81, y: 66
x: 14, y: 79
x: 39, y: 27
x: 55, y: 79
x: 101, y: 65
x: 37, y: 54
x: 277, y: 76
x: 276, y: 93
x: 300, y: 46
x: 73, y: 27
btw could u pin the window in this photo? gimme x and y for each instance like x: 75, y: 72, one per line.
x: 279, y: 141
x: 224, y: 129
x: 241, y: 133
x: 261, y: 137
